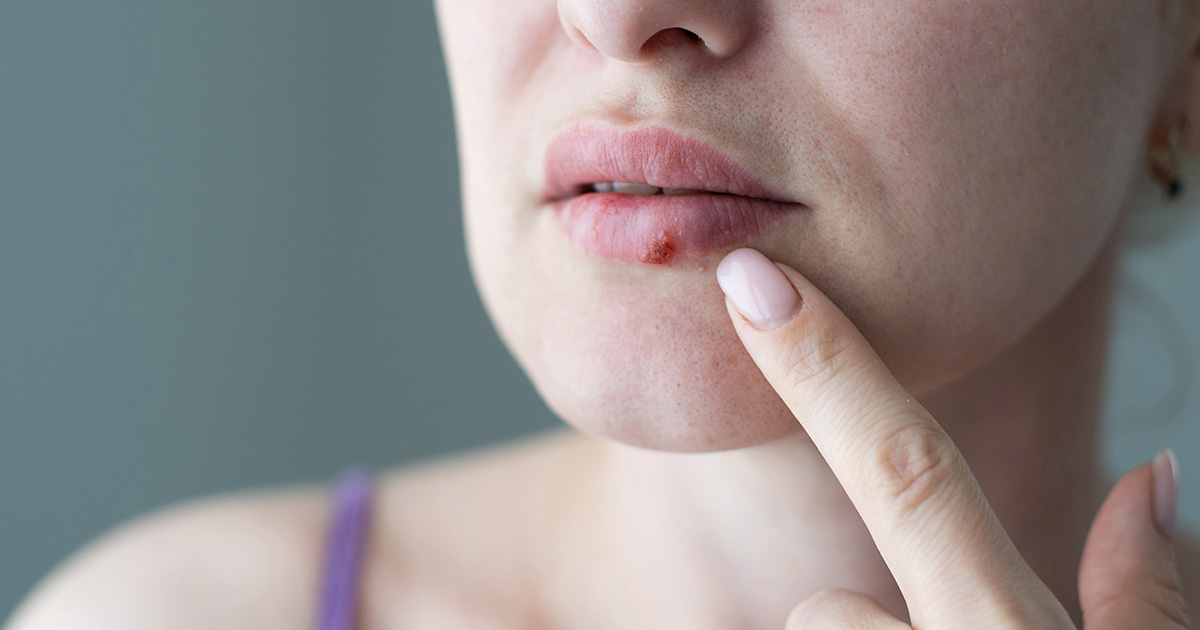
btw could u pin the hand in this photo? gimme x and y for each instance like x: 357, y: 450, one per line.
x: 954, y: 563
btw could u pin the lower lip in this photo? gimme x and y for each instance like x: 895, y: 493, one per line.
x: 662, y: 229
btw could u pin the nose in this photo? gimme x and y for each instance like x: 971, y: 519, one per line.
x: 640, y: 31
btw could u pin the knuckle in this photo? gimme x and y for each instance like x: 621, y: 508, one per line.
x: 818, y: 358
x: 1171, y: 600
x: 1162, y: 592
x: 912, y: 465
x: 1173, y: 610
x: 1167, y: 604
x: 1129, y: 583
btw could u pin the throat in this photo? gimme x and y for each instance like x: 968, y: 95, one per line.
x: 739, y: 536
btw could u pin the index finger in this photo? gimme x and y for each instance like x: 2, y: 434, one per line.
x: 903, y: 473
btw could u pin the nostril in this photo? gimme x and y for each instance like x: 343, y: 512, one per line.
x: 670, y: 37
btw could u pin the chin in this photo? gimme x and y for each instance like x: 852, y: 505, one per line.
x: 647, y: 356
x: 667, y: 407
x: 664, y: 388
x: 636, y: 368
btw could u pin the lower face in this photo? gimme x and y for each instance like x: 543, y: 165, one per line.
x: 959, y: 163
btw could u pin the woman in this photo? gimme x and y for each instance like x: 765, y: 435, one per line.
x: 824, y: 285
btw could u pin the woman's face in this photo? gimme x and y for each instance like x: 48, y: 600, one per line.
x: 945, y: 170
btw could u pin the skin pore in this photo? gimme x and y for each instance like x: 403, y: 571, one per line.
x: 940, y: 153
x: 774, y: 517
x: 967, y: 165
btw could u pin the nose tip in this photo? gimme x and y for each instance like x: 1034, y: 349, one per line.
x: 636, y: 31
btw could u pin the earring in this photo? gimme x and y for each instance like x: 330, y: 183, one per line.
x: 1164, y: 157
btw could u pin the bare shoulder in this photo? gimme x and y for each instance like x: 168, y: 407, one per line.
x: 214, y: 562
x: 441, y: 541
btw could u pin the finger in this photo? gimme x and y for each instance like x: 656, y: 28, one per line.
x: 838, y: 609
x: 903, y: 473
x: 1128, y: 577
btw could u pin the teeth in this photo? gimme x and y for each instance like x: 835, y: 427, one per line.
x: 628, y: 188
x: 635, y: 189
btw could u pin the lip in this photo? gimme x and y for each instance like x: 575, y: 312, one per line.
x: 730, y: 206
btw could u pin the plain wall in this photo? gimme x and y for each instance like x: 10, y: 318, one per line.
x: 231, y: 256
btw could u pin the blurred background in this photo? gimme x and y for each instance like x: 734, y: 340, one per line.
x: 231, y: 256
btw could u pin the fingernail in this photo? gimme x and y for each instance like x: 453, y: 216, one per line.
x: 757, y: 288
x: 1166, y: 491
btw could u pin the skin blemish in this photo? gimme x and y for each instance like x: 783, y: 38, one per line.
x: 660, y: 250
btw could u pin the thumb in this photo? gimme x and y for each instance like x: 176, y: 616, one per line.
x: 1128, y: 578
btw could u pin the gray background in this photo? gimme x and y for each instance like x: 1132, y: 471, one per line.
x: 230, y: 256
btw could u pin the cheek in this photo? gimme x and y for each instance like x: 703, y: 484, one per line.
x: 987, y: 150
x: 493, y: 49
x: 964, y: 178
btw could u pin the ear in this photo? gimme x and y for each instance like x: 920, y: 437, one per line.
x: 1180, y: 110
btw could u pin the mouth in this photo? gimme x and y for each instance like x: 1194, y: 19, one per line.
x: 634, y: 188
x: 653, y: 196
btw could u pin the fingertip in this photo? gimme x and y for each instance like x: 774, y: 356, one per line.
x: 1166, y: 491
x: 1127, y: 512
x: 757, y: 288
x: 1128, y: 571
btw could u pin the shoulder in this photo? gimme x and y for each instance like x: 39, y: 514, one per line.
x: 219, y: 561
x: 445, y: 536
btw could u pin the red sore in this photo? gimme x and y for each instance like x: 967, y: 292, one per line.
x: 660, y: 251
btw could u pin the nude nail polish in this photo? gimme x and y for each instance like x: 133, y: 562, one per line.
x: 757, y: 288
x: 1166, y: 491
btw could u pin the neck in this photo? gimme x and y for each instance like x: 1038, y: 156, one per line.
x: 740, y: 537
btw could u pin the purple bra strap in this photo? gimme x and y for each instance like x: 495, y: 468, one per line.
x: 344, y: 544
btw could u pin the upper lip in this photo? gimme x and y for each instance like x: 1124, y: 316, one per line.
x: 588, y: 154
